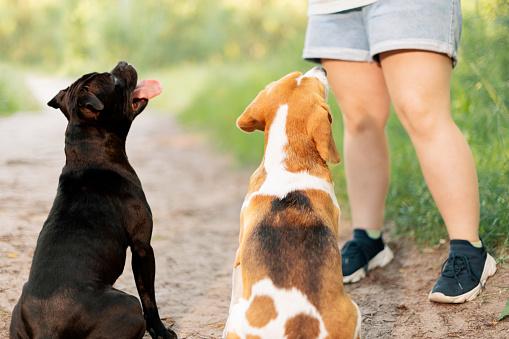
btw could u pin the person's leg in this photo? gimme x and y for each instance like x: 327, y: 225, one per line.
x: 419, y: 87
x: 418, y: 83
x: 360, y: 90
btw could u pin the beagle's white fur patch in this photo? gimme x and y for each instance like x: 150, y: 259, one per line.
x: 279, y: 182
x: 288, y: 303
x: 314, y: 72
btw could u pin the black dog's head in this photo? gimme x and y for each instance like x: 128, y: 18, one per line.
x: 111, y: 100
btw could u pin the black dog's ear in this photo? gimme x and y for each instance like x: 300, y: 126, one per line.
x: 58, y: 102
x: 90, y: 105
x: 89, y: 100
x: 139, y: 105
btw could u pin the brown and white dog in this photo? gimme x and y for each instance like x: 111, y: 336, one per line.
x: 287, y: 280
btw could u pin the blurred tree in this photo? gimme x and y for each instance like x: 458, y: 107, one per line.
x: 152, y: 33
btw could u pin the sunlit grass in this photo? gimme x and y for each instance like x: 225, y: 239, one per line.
x: 14, y: 95
x: 181, y: 84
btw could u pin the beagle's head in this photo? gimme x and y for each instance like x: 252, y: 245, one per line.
x: 302, y: 99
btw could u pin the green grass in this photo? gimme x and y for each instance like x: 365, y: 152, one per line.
x: 227, y: 90
x: 14, y: 95
x: 214, y: 110
x: 180, y: 85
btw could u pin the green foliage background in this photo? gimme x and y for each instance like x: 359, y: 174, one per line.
x: 213, y: 57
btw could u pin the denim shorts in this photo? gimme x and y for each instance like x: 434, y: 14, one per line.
x: 361, y: 34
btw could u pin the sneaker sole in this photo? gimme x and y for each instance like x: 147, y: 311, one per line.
x: 380, y: 260
x: 490, y: 267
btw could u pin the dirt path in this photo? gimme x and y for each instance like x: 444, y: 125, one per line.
x: 195, y: 197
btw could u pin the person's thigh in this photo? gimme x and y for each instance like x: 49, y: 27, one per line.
x: 419, y: 86
x: 360, y: 90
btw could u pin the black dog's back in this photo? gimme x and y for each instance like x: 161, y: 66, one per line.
x: 80, y: 253
x: 92, y: 204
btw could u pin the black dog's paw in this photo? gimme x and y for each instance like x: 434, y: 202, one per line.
x: 160, y: 332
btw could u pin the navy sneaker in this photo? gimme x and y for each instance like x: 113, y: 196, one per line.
x: 361, y: 254
x: 463, y: 274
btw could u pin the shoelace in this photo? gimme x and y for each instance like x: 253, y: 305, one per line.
x: 352, y: 249
x: 456, y: 267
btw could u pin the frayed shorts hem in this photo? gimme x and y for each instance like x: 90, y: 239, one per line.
x: 315, y: 54
x: 415, y: 44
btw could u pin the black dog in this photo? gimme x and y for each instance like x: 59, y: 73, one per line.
x: 99, y: 210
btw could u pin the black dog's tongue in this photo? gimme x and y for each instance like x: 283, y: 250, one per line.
x: 147, y: 89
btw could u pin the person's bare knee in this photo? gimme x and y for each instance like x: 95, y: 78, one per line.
x: 361, y: 124
x: 422, y: 121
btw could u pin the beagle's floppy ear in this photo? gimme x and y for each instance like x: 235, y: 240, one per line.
x: 251, y: 120
x: 321, y: 133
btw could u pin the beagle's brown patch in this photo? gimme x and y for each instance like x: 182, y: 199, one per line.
x: 232, y: 335
x: 291, y: 256
x: 261, y: 311
x: 302, y: 326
